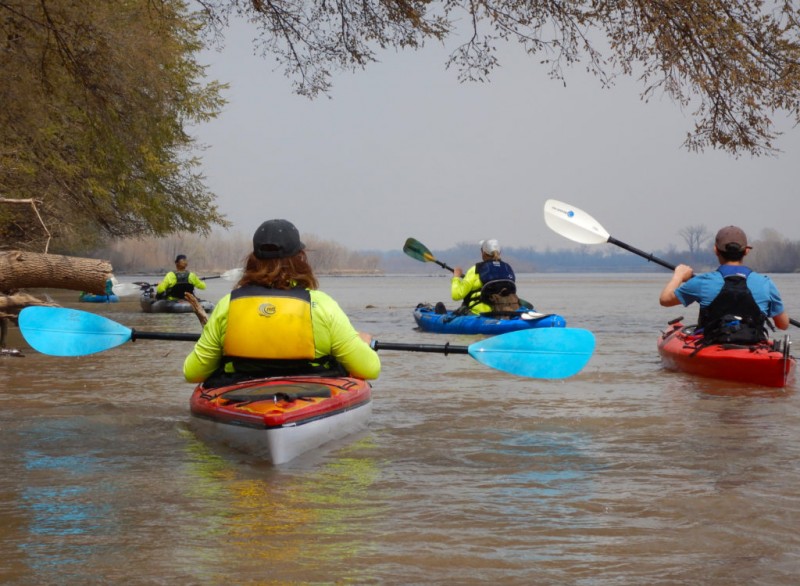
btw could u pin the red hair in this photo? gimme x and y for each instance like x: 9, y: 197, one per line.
x: 279, y: 273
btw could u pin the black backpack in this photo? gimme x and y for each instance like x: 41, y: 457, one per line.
x: 734, y: 317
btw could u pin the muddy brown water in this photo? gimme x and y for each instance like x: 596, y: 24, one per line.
x: 623, y: 474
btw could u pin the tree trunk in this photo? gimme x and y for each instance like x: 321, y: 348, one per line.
x: 24, y: 270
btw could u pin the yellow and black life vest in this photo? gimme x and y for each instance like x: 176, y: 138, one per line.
x: 271, y: 324
x: 498, y: 288
x: 181, y: 286
x: 270, y: 333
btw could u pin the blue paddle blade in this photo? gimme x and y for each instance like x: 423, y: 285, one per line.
x: 550, y: 353
x: 59, y: 331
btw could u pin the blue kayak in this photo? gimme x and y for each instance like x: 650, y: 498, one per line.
x: 92, y: 298
x: 428, y: 320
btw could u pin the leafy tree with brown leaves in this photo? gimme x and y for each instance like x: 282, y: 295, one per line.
x: 95, y: 97
x: 736, y: 64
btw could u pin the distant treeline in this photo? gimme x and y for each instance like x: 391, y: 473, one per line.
x: 222, y: 252
x: 771, y: 254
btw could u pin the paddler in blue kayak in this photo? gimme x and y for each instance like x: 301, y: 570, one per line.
x: 276, y: 322
x: 488, y: 286
x: 177, y: 283
x: 735, y: 301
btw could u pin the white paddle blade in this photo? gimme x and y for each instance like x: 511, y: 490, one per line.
x: 232, y: 274
x: 529, y: 315
x: 573, y: 223
x: 123, y: 289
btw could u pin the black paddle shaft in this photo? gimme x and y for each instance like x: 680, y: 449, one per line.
x: 663, y: 263
x: 444, y: 266
x: 376, y: 345
x: 181, y: 337
x: 642, y: 253
x: 445, y: 349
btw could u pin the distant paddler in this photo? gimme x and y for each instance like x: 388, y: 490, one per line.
x: 179, y: 282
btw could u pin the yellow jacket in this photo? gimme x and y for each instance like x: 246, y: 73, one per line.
x: 461, y: 287
x: 171, y: 279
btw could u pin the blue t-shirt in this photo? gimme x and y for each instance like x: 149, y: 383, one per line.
x: 704, y: 288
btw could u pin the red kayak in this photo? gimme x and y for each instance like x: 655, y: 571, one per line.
x: 768, y: 363
x: 277, y: 419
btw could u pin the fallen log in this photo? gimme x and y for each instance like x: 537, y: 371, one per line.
x: 26, y: 270
x: 33, y: 270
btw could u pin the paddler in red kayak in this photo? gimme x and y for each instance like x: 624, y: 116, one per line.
x: 735, y: 301
x: 277, y: 323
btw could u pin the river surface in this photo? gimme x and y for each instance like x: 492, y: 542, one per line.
x: 625, y: 474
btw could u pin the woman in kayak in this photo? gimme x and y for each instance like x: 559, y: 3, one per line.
x: 735, y: 301
x: 177, y: 283
x: 487, y: 286
x: 276, y: 322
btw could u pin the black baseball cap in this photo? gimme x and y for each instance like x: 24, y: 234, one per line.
x: 276, y: 239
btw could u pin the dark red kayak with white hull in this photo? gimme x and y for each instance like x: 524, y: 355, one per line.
x: 769, y: 363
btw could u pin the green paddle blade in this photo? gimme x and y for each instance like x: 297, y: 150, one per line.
x: 573, y: 223
x: 550, y: 353
x: 59, y: 331
x: 417, y: 250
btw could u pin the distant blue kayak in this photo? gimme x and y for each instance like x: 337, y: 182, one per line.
x: 449, y: 323
x: 92, y: 298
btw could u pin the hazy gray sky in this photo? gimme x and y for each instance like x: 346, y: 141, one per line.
x: 403, y: 149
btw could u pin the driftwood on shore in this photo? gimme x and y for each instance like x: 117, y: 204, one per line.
x: 30, y: 270
x: 11, y: 305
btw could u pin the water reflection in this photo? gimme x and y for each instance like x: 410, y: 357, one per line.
x: 63, y: 500
x: 293, y: 522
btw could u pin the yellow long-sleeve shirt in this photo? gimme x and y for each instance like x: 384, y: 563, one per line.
x: 461, y: 287
x: 171, y: 279
x: 334, y: 335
